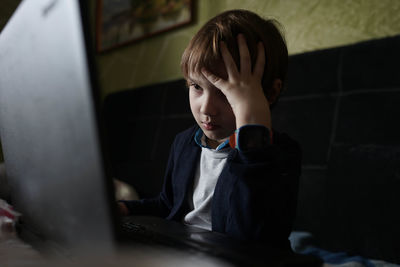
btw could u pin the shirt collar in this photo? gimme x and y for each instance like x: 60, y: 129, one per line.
x: 200, y: 139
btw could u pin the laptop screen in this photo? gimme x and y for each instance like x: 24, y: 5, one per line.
x: 48, y: 126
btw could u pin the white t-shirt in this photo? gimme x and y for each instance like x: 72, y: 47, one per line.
x: 207, y: 172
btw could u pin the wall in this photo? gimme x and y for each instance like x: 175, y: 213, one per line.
x: 308, y: 24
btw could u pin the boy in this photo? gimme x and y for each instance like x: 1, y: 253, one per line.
x: 232, y: 173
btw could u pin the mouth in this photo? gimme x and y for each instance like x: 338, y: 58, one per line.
x: 209, y: 126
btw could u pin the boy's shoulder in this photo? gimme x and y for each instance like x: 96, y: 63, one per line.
x: 189, y: 132
x: 283, y: 140
x: 282, y: 137
x: 187, y: 136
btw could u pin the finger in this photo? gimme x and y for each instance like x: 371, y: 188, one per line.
x: 214, y: 79
x: 245, y: 60
x: 260, y: 61
x: 230, y: 65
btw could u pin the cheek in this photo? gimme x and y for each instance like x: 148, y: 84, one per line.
x: 194, y: 106
x: 227, y: 109
x: 229, y: 116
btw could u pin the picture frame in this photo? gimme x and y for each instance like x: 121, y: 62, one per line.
x: 121, y: 22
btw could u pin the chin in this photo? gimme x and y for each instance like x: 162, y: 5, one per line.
x: 219, y: 137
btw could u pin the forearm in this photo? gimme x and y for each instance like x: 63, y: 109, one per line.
x: 256, y: 111
x: 159, y: 206
x: 263, y: 211
x: 152, y: 207
x: 263, y: 193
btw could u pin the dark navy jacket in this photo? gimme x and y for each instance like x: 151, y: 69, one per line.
x: 255, y: 197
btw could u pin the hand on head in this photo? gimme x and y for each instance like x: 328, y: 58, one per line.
x: 243, y: 88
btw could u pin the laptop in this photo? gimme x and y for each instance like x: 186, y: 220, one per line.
x: 50, y: 129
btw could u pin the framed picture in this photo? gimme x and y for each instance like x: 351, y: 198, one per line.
x: 120, y: 22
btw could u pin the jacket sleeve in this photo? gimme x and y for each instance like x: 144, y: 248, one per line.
x: 257, y: 197
x: 161, y: 205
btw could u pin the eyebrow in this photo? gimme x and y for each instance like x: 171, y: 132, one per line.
x: 192, y: 80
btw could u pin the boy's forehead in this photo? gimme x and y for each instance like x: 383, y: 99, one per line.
x: 199, y: 79
x: 196, y: 77
x: 216, y: 67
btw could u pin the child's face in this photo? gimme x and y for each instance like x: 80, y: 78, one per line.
x: 210, y: 107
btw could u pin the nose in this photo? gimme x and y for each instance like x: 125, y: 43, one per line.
x: 209, y: 106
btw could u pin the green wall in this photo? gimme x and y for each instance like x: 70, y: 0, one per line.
x: 308, y: 24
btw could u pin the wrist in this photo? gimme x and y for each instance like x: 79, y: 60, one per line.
x: 254, y: 115
x: 251, y: 137
x: 122, y: 208
x: 254, y: 111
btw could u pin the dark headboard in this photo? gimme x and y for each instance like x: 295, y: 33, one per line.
x: 342, y: 105
x: 141, y: 126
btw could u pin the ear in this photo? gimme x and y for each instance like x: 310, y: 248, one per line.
x: 275, y: 91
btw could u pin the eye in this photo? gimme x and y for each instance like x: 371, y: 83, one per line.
x: 196, y: 86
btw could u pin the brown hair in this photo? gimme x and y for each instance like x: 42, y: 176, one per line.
x: 204, y: 48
